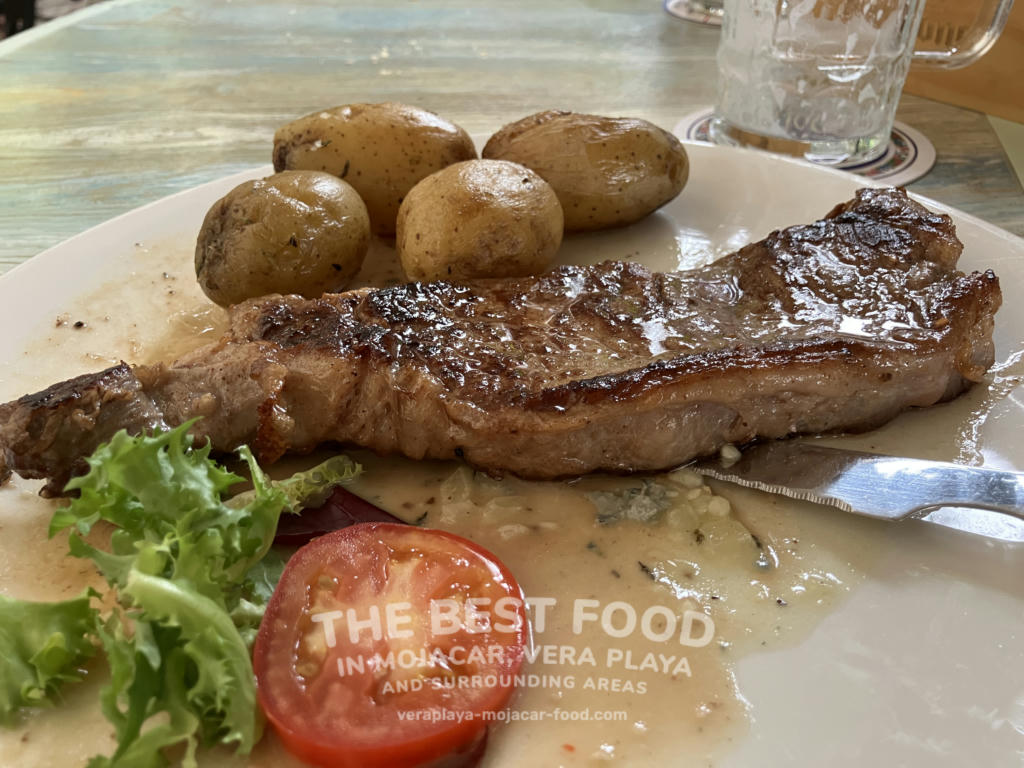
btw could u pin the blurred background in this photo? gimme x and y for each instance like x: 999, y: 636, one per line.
x: 19, y: 15
x: 112, y: 106
x: 987, y: 86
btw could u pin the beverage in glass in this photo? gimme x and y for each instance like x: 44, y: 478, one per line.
x: 822, y: 78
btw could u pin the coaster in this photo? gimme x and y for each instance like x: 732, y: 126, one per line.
x: 909, y: 156
x: 696, y: 10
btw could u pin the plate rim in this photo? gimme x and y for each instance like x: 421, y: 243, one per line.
x: 41, y: 259
x: 45, y: 262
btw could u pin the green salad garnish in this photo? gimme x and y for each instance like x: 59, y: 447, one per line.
x: 192, y: 576
x: 41, y: 647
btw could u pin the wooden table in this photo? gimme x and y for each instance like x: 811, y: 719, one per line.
x: 131, y: 100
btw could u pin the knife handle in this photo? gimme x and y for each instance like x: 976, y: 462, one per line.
x: 953, y: 485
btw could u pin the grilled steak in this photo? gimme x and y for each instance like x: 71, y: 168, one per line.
x: 836, y: 325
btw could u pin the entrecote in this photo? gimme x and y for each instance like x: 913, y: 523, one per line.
x: 836, y: 325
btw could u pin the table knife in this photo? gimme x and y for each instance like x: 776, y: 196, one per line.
x: 886, y: 487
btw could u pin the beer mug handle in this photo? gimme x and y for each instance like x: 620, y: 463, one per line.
x: 974, y: 44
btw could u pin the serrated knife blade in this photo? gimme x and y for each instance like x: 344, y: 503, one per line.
x: 885, y: 487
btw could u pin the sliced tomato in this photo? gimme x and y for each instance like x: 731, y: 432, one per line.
x: 386, y: 644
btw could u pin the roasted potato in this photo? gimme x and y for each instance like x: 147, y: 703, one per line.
x: 606, y: 171
x: 301, y: 232
x: 382, y: 150
x: 479, y: 218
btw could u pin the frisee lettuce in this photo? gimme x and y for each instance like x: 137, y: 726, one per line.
x: 192, y: 577
x: 42, y: 645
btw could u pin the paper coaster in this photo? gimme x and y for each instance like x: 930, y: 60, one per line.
x: 909, y: 156
x: 695, y: 10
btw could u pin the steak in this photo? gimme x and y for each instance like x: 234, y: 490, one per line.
x: 836, y: 325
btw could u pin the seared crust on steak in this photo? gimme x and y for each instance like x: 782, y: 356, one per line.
x: 49, y: 434
x: 837, y: 325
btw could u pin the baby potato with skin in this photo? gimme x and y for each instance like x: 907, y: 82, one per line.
x: 303, y: 232
x: 606, y: 171
x: 383, y: 150
x: 479, y: 218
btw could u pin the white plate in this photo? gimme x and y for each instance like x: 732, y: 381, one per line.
x: 922, y: 666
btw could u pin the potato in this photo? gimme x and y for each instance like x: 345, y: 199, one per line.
x: 301, y: 232
x: 479, y: 218
x: 606, y: 171
x: 382, y: 150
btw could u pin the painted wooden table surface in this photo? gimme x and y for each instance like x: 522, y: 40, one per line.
x: 131, y: 100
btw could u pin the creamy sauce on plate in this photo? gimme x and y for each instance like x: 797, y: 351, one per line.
x: 763, y: 571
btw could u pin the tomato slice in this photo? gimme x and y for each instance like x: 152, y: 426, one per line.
x: 387, y: 645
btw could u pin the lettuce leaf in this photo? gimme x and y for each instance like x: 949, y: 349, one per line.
x: 192, y: 574
x: 186, y: 659
x: 42, y: 645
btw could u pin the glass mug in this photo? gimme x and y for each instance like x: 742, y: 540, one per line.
x: 701, y: 11
x: 821, y: 78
